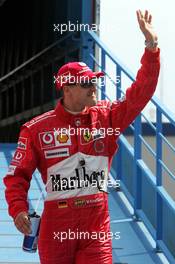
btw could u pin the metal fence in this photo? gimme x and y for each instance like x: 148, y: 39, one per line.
x: 151, y: 200
x: 144, y: 187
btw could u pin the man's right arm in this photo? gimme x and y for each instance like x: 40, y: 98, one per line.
x: 17, y: 180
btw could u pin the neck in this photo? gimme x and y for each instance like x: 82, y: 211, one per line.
x: 73, y: 110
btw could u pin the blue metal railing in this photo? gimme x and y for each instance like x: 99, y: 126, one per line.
x: 144, y: 189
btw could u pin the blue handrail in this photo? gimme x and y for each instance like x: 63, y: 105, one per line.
x: 143, y: 179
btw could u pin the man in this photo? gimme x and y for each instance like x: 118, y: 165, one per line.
x: 75, y: 165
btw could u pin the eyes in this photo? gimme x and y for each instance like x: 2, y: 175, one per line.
x: 89, y: 83
x: 85, y: 84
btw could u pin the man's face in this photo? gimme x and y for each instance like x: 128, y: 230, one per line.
x: 83, y: 95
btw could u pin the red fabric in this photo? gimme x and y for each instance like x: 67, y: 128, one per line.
x: 38, y: 142
x: 119, y: 114
x: 86, y: 227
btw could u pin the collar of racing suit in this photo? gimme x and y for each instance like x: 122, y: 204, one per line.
x: 80, y: 119
x: 74, y: 113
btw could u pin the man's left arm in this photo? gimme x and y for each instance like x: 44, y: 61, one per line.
x: 138, y: 95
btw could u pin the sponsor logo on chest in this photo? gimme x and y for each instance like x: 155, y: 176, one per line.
x: 81, y: 179
x: 52, y: 139
x: 56, y: 153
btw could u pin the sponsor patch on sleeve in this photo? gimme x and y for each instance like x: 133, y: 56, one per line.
x: 22, y: 143
x: 11, y: 170
x: 18, y: 156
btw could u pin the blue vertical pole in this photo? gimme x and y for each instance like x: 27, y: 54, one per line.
x: 137, y: 183
x: 87, y: 43
x: 159, y: 213
x: 103, y: 67
x: 118, y: 95
x: 118, y: 82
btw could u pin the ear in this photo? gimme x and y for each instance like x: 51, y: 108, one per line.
x: 65, y: 89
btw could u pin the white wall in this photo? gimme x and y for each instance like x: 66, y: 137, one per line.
x: 120, y: 31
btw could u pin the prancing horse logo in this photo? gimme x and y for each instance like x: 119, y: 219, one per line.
x: 87, y: 136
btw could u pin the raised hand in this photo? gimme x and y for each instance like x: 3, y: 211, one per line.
x: 144, y: 20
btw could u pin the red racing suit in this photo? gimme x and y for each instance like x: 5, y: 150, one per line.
x: 75, y: 164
